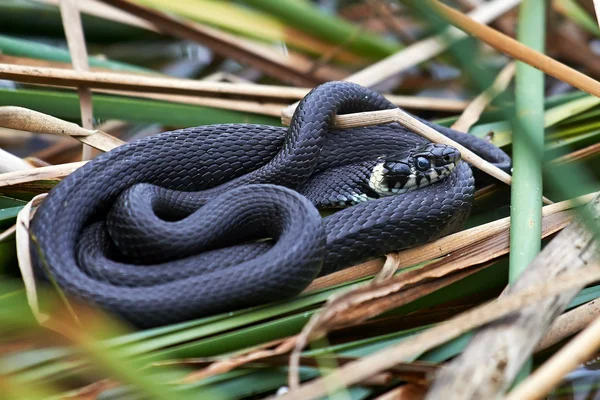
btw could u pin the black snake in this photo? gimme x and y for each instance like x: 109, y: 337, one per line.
x: 210, y: 219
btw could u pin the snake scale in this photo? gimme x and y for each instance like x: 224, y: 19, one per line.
x: 210, y: 219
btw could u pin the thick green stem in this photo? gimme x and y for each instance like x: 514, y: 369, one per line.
x: 526, y: 203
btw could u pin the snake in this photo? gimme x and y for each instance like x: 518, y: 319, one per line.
x: 212, y: 219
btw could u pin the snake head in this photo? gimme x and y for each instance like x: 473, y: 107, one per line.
x: 413, y: 169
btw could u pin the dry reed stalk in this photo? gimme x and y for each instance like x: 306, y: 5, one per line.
x: 71, y: 21
x: 144, y: 83
x: 254, y: 107
x: 580, y: 154
x: 39, y: 174
x: 515, y: 49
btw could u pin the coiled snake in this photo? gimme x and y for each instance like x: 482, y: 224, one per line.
x: 210, y: 219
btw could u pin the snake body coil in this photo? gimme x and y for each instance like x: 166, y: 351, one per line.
x: 172, y: 227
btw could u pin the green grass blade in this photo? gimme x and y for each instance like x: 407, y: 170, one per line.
x: 27, y: 48
x: 579, y: 15
x: 66, y: 105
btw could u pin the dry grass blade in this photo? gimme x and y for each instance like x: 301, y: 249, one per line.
x: 39, y: 174
x: 577, y: 155
x: 420, y: 51
x: 35, y: 62
x: 548, y: 375
x: 222, y: 43
x: 513, y: 48
x: 221, y: 366
x: 71, y: 20
x: 24, y: 256
x: 473, y: 111
x: 8, y: 232
x: 24, y: 119
x: 411, y: 372
x: 597, y: 9
x: 390, y: 267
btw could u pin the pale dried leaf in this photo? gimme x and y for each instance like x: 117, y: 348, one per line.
x: 24, y: 119
x: 39, y: 174
x: 24, y: 257
x: 10, y: 163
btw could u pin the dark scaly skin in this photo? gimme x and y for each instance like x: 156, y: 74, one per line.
x: 71, y: 241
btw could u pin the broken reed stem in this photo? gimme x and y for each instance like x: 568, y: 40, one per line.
x: 413, y: 124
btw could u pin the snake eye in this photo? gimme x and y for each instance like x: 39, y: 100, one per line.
x: 423, y: 164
